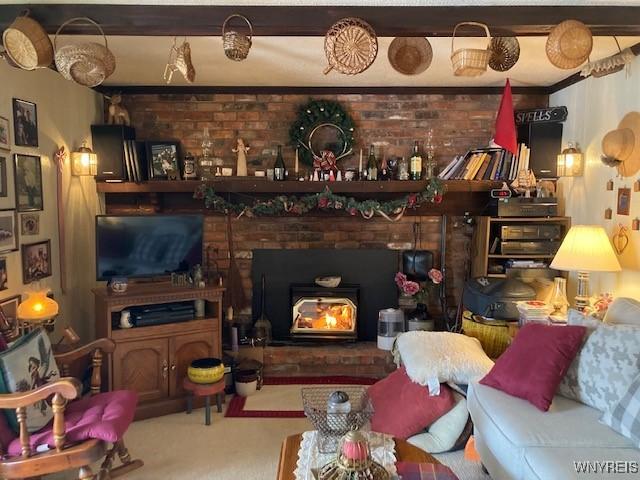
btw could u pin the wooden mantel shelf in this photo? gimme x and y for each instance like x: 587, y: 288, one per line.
x: 253, y: 185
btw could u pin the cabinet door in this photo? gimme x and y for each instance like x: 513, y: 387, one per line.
x: 185, y: 349
x: 142, y: 366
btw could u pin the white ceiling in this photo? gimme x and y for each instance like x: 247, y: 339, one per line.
x: 299, y: 61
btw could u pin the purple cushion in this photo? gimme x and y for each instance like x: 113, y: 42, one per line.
x: 7, y: 435
x: 105, y: 416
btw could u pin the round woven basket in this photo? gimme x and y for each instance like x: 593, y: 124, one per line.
x: 236, y: 45
x: 88, y: 63
x: 505, y: 52
x: 410, y: 55
x: 27, y: 44
x: 470, y: 62
x: 351, y: 46
x: 569, y: 44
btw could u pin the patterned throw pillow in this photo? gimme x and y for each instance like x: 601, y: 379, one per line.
x: 605, y: 366
x: 624, y: 417
x: 27, y: 365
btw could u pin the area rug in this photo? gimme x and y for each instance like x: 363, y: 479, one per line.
x: 280, y: 396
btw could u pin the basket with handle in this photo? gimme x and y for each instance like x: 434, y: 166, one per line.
x: 236, y: 45
x: 87, y: 63
x: 470, y: 62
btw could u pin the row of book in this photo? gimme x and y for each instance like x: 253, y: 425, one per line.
x: 134, y: 161
x: 487, y: 164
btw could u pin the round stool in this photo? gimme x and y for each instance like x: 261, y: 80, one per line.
x: 204, y: 390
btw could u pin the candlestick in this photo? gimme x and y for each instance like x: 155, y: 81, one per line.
x: 360, y: 166
x: 296, y: 164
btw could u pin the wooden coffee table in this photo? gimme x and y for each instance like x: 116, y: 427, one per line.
x: 405, y: 452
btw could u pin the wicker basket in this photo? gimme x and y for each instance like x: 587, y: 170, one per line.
x: 27, y: 44
x: 350, y: 46
x: 569, y: 44
x: 236, y: 45
x: 505, y: 52
x: 470, y: 62
x: 494, y: 337
x: 88, y: 63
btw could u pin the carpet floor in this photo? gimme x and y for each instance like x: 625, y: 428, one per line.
x: 181, y: 447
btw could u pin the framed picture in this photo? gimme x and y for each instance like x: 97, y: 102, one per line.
x: 36, y: 261
x: 25, y: 123
x: 8, y: 231
x: 29, y: 224
x: 4, y: 133
x: 4, y: 277
x: 28, y: 173
x: 7, y: 183
x: 162, y: 159
x: 9, y: 312
x: 624, y: 201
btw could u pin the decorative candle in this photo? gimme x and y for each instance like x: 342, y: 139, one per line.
x: 360, y: 166
x: 296, y: 164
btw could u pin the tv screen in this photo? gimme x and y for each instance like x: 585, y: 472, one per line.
x: 147, y: 246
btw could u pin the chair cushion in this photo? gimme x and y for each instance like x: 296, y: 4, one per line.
x: 534, y: 364
x: 105, y: 416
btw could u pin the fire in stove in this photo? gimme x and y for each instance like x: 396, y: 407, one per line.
x: 318, y: 316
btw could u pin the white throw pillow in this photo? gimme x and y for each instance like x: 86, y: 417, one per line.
x: 623, y: 311
x: 624, y: 417
x: 432, y: 358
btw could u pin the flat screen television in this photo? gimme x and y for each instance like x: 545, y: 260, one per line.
x: 139, y: 246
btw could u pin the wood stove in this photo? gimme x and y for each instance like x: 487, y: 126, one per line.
x: 324, y: 313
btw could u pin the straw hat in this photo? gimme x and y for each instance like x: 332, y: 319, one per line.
x: 623, y: 144
x: 569, y: 44
x: 410, y: 55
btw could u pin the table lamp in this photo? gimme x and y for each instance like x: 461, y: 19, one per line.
x: 585, y: 248
x: 38, y: 309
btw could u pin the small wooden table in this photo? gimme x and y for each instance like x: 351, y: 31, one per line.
x: 405, y: 452
x: 204, y: 390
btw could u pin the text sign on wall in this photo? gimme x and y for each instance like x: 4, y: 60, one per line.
x: 541, y: 115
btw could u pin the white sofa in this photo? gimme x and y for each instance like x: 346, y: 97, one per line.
x: 516, y: 441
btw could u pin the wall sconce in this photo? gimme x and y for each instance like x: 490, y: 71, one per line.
x: 570, y: 162
x: 84, y: 162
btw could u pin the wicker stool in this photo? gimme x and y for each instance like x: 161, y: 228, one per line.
x: 204, y: 390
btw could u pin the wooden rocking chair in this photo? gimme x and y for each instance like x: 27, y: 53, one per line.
x: 65, y: 455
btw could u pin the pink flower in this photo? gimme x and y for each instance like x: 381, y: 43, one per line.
x: 410, y: 288
x: 435, y: 275
x: 401, y: 279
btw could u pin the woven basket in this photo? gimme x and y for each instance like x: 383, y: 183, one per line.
x: 350, y: 46
x: 88, y: 63
x: 27, y: 44
x: 470, y: 62
x: 505, y: 52
x: 569, y: 44
x: 236, y: 45
x: 494, y: 338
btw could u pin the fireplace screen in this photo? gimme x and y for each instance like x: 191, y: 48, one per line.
x: 324, y: 317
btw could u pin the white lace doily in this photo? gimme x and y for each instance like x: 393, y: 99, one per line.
x: 383, y: 451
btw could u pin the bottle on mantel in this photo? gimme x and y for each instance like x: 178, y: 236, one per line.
x: 384, y: 170
x: 279, y: 168
x: 372, y: 165
x: 415, y: 164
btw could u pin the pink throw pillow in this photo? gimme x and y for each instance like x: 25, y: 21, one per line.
x: 535, y: 363
x: 403, y: 408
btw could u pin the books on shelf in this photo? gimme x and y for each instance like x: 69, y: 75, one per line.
x: 487, y: 164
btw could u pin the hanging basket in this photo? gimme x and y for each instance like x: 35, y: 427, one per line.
x: 236, y: 45
x: 27, y: 44
x: 569, y: 44
x: 88, y: 63
x: 504, y: 53
x: 350, y: 46
x: 470, y: 62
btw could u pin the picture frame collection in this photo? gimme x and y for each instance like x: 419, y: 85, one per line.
x: 21, y: 201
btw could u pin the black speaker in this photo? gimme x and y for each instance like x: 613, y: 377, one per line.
x: 545, y: 142
x: 109, y: 145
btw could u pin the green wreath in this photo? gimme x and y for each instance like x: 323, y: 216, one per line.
x: 313, y: 114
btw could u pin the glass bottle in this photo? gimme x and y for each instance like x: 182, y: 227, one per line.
x: 206, y: 163
x: 279, y: 167
x: 372, y: 165
x: 558, y: 299
x: 415, y: 164
x: 403, y: 169
x: 430, y: 166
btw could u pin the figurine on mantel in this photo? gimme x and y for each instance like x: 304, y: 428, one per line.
x: 241, y: 149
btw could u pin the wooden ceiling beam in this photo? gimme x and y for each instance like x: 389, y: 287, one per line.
x: 197, y: 20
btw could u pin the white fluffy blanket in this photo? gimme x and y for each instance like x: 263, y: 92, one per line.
x: 432, y: 358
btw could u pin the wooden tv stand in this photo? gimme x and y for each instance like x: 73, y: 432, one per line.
x: 153, y: 360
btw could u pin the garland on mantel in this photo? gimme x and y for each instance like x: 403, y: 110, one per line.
x: 392, y: 210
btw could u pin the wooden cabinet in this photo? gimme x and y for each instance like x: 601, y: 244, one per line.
x: 153, y: 360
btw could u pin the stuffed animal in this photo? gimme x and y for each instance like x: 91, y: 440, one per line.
x: 118, y: 115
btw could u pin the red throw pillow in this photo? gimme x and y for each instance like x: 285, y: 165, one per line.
x: 535, y: 363
x: 402, y: 408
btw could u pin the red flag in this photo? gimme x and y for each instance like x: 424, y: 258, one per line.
x: 505, y: 134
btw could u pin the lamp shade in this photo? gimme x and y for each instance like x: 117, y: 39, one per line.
x: 586, y: 248
x: 84, y: 162
x: 37, y: 307
x: 570, y: 162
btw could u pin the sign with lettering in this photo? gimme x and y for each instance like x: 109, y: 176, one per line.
x: 541, y: 115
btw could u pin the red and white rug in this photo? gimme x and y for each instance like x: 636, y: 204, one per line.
x: 280, y: 397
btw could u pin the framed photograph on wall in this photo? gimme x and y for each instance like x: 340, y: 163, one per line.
x: 4, y: 276
x: 29, y: 224
x: 36, y: 261
x: 28, y: 173
x: 8, y: 231
x: 4, y: 134
x: 162, y: 160
x: 624, y: 201
x: 9, y: 316
x: 7, y: 183
x: 25, y: 123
